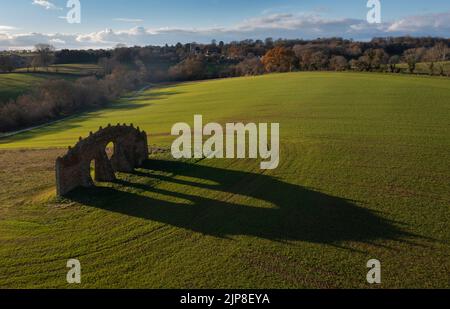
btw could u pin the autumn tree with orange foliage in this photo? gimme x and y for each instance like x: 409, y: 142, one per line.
x: 279, y: 59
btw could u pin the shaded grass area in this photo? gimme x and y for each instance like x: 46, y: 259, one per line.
x: 78, y: 69
x: 194, y: 224
x: 363, y: 174
x: 295, y: 213
x: 13, y: 85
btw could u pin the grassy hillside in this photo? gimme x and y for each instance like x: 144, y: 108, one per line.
x: 13, y: 85
x: 73, y: 69
x: 364, y: 174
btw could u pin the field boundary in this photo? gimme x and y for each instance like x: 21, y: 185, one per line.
x: 4, y: 135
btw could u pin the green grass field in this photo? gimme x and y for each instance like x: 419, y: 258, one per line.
x: 13, y: 85
x: 364, y: 173
x: 72, y: 69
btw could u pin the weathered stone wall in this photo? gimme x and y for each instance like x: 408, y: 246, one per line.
x: 130, y: 151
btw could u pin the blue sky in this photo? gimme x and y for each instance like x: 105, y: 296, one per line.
x: 105, y: 23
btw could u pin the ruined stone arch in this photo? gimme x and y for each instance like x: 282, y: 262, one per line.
x: 130, y: 151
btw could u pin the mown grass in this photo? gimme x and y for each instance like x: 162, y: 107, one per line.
x: 73, y: 69
x: 364, y: 174
x: 13, y: 85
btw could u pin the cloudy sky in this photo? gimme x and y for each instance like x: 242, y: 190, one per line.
x: 106, y: 23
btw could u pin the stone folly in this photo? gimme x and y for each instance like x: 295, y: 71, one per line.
x: 74, y: 169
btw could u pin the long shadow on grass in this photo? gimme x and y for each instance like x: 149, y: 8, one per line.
x: 286, y: 212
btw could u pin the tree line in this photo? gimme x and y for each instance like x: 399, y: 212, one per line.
x: 58, y: 98
x: 249, y: 57
x: 253, y: 57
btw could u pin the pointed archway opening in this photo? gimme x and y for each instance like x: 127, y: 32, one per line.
x: 110, y: 150
x: 92, y: 169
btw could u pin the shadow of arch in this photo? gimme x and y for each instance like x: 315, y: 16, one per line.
x: 298, y: 213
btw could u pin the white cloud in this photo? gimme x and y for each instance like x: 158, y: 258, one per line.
x: 46, y: 4
x: 57, y: 41
x: 6, y: 28
x: 287, y: 25
x: 438, y: 23
x: 306, y: 23
x: 129, y: 20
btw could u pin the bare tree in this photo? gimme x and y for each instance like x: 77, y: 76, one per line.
x: 191, y: 68
x: 442, y: 50
x: 250, y: 66
x: 393, y: 61
x: 6, y: 64
x: 412, y: 57
x: 304, y: 55
x: 437, y: 55
x: 44, y: 55
x: 431, y: 57
x: 338, y: 63
x: 319, y: 60
x: 363, y: 63
x: 379, y: 59
x: 373, y: 59
x: 107, y: 65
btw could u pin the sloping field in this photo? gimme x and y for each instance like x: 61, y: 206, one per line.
x: 12, y: 85
x: 70, y: 69
x: 364, y: 174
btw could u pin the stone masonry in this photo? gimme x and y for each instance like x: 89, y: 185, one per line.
x: 74, y: 169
